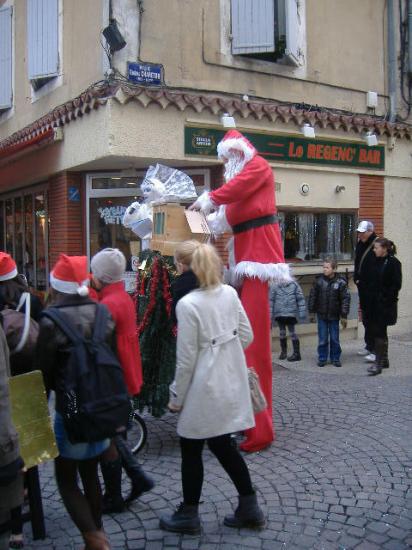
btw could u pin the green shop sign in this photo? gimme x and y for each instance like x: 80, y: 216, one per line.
x: 275, y: 148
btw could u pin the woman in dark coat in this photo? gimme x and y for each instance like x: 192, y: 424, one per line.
x: 388, y: 284
x: 186, y: 281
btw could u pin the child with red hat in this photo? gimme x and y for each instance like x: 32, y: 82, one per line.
x: 108, y: 267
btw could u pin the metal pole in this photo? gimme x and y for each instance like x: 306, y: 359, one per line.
x: 410, y: 37
x: 391, y: 61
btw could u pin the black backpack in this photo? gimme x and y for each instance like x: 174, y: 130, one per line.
x: 95, y: 401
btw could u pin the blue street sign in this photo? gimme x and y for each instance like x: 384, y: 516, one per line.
x: 144, y: 73
x: 74, y: 194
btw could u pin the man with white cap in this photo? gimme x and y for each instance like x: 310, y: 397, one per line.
x: 364, y: 276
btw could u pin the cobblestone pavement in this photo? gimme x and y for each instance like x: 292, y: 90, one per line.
x: 338, y: 476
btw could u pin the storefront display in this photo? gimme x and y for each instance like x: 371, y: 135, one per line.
x: 311, y: 236
x: 24, y: 233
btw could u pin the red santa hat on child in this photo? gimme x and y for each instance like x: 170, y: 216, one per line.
x: 8, y: 268
x: 70, y: 275
x: 234, y: 140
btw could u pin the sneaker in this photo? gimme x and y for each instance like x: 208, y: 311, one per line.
x: 336, y: 363
x: 370, y: 358
x: 321, y: 363
x: 363, y: 352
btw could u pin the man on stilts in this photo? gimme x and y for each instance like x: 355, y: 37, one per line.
x: 247, y: 199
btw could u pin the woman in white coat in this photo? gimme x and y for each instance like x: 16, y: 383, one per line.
x: 211, y: 392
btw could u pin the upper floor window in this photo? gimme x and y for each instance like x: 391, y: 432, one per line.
x: 270, y: 30
x: 42, y: 41
x: 6, y: 59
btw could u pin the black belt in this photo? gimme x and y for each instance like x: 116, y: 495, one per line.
x: 256, y: 222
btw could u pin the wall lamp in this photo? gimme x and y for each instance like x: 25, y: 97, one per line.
x: 340, y: 189
x: 114, y: 37
x: 227, y: 121
x: 371, y: 139
x: 308, y: 131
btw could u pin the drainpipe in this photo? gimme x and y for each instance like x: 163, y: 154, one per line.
x: 392, y: 60
x: 410, y: 37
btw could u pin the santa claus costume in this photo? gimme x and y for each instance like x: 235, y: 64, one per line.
x: 247, y: 199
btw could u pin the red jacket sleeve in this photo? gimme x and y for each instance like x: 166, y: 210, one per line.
x: 245, y: 184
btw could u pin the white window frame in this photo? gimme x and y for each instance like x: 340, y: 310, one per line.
x: 287, y: 65
x: 124, y: 192
x: 55, y: 81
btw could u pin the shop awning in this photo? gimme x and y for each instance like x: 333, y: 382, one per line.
x: 44, y: 138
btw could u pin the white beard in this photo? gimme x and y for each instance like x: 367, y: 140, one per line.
x: 234, y: 165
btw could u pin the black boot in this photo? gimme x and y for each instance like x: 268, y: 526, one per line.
x: 141, y: 483
x: 380, y: 348
x: 184, y: 520
x: 247, y: 514
x: 283, y: 348
x: 296, y: 351
x: 113, y: 502
x: 385, y: 358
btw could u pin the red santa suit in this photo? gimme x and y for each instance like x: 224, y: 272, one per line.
x: 250, y: 208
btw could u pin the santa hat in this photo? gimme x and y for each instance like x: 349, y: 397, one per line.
x: 233, y: 139
x: 70, y: 275
x: 8, y: 268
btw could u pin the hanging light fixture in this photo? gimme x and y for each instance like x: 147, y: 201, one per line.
x: 371, y: 139
x: 227, y: 121
x: 308, y: 130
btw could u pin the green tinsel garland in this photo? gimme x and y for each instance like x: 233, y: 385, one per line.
x: 157, y: 332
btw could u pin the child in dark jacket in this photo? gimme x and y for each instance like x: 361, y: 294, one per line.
x: 330, y: 299
x: 287, y: 303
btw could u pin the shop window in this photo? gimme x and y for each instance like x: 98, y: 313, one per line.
x: 312, y: 236
x: 269, y: 30
x: 24, y: 234
x: 9, y: 244
x: 107, y: 230
x: 29, y: 253
x: 40, y: 218
x: 113, y: 182
x: 18, y: 228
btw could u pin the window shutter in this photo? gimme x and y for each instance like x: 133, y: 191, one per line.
x: 253, y: 29
x: 43, y: 41
x: 6, y: 88
x: 295, y: 32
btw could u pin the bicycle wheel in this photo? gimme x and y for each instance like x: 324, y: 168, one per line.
x: 137, y: 433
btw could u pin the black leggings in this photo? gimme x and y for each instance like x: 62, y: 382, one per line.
x: 225, y: 450
x: 84, y: 508
x: 291, y: 328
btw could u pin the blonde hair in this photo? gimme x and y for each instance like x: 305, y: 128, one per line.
x: 184, y: 252
x: 207, y: 266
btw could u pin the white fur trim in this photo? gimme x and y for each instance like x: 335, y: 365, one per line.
x: 83, y: 290
x: 239, y: 144
x: 69, y: 287
x: 265, y: 272
x: 205, y: 203
x: 9, y: 275
x: 218, y: 223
